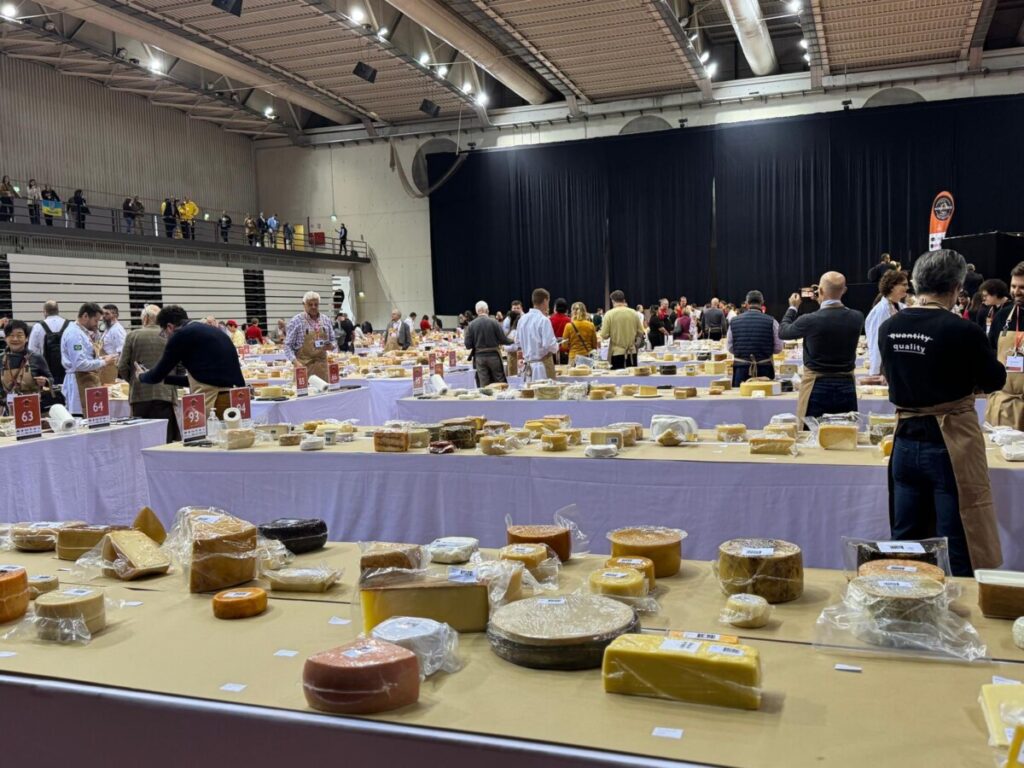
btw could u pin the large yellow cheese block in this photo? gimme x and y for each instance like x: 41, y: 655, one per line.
x: 647, y: 390
x: 628, y: 390
x: 462, y: 605
x: 607, y: 437
x: 770, y: 568
x: 786, y: 430
x: 271, y: 391
x: 662, y: 546
x: 731, y: 433
x: 618, y: 582
x: 772, y: 445
x: 643, y: 564
x: 222, y: 550
x: 14, y: 592
x: 530, y: 555
x: 838, y: 437
x: 132, y: 554
x: 147, y: 522
x: 714, y: 367
x: 748, y: 388
x: 696, y: 671
x: 70, y: 613
x: 994, y: 700
x: 554, y: 442
x: 725, y: 384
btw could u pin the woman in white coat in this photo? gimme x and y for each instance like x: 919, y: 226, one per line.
x: 892, y: 289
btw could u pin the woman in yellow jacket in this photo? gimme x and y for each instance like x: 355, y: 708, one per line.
x: 188, y: 212
x: 580, y: 335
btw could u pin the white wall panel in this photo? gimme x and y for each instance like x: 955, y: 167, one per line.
x: 77, y: 134
x: 284, y: 292
x: 71, y: 281
x: 217, y: 291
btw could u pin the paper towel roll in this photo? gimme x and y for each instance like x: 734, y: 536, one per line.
x: 437, y: 384
x: 317, y: 385
x: 61, y: 419
x: 232, y: 418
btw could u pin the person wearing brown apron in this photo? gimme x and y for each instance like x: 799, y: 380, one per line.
x: 934, y: 362
x: 1006, y: 407
x: 310, y: 336
x: 81, y: 363
x: 752, y: 338
x: 111, y: 342
x: 397, y: 335
x: 536, y: 337
x: 830, y: 350
x: 206, y: 353
x: 22, y: 372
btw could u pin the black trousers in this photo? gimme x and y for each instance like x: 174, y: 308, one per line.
x: 741, y: 372
x: 159, y: 409
x: 169, y: 227
x: 621, y: 362
x: 489, y: 369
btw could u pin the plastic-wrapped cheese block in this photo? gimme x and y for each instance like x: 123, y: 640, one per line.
x: 1000, y: 593
x: 643, y: 564
x: 530, y: 555
x: 626, y: 430
x: 749, y: 387
x: 301, y: 579
x: 129, y: 555
x: 554, y: 442
x: 618, y: 582
x: 574, y: 435
x: 236, y: 439
x: 999, y: 703
x: 462, y: 436
x: 271, y: 391
x: 40, y: 537
x: 72, y: 543
x: 895, y: 568
x: 1018, y: 633
x: 770, y: 568
x: 557, y: 537
x: 746, y: 611
x: 684, y: 393
x: 364, y: 677
x: 896, y: 609
x: 885, y: 446
x: 298, y: 535
x: 496, y: 427
x: 493, y: 445
x: 312, y: 443
x: 452, y: 549
x: 558, y: 420
x: 696, y: 671
x: 539, y: 427
x: 390, y: 441
x: 14, y: 592
x: 663, y: 546
x: 772, y: 445
x: 724, y: 384
x: 601, y: 451
x: 461, y: 604
x: 64, y: 614
x: 435, y: 644
x: 147, y: 522
x: 547, y: 391
x: 526, y: 393
x: 673, y: 430
x: 382, y: 554
x: 434, y: 430
x: 638, y: 429
x: 274, y: 430
x: 838, y: 437
x: 928, y: 551
x: 606, y: 437
x: 221, y: 550
x: 290, y: 439
x: 41, y: 583
x: 568, y: 632
x: 418, y: 437
x: 731, y: 433
x: 239, y: 603
x: 786, y: 430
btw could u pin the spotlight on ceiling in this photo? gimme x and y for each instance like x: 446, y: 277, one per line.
x: 807, y: 58
x: 268, y: 112
x: 442, y: 71
x: 365, y: 71
x: 481, y: 100
x: 429, y: 108
x: 155, y: 65
x: 121, y: 53
x: 803, y: 44
x: 711, y: 68
x: 704, y: 57
x: 693, y: 37
x: 424, y: 59
x: 234, y: 7
x: 795, y: 6
x: 49, y: 26
x: 9, y: 11
x: 467, y: 87
x: 383, y: 33
x: 334, y: 217
x: 357, y: 15
x: 683, y: 121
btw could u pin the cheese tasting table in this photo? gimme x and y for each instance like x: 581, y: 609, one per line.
x: 346, y: 403
x: 713, y: 491
x: 385, y: 393
x: 96, y: 473
x: 709, y: 411
x: 233, y: 688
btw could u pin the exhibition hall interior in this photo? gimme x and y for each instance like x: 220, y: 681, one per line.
x: 541, y: 383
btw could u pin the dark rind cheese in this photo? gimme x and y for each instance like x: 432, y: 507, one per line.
x: 770, y: 568
x: 296, y: 534
x: 868, y: 551
x: 460, y: 435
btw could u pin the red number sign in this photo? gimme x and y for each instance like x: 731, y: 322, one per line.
x: 417, y: 379
x: 334, y: 376
x: 439, y: 369
x: 193, y: 416
x: 301, y: 381
x: 27, y: 420
x: 451, y: 358
x: 241, y: 399
x: 97, y: 405
x: 431, y: 361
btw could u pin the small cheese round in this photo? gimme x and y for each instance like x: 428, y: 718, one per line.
x: 239, y: 603
x: 61, y: 614
x: 643, y: 564
x: 747, y: 611
x: 664, y: 546
x: 618, y: 582
x: 557, y: 537
x: 41, y: 584
x: 529, y: 554
x: 14, y: 592
x: 1018, y: 633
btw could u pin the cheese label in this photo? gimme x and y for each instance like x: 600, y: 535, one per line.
x: 448, y: 544
x: 208, y: 519
x: 233, y: 687
x: 667, y: 733
x: 7, y: 654
x: 757, y: 393
x: 631, y: 561
x: 78, y: 592
x: 338, y: 621
x: 39, y: 577
x: 687, y: 646
x: 462, y: 575
x: 725, y: 650
x: 244, y: 593
x: 11, y: 568
x: 551, y: 601
x: 712, y: 636
x: 615, y: 575
x: 893, y: 584
x: 757, y: 551
x: 901, y: 568
x: 286, y: 653
x: 901, y: 547
x: 521, y: 549
x: 355, y: 653
x: 997, y: 680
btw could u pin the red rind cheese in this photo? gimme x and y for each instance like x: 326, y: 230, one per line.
x: 361, y: 678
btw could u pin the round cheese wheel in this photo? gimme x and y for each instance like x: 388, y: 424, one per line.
x: 362, y: 678
x: 433, y: 642
x: 530, y: 555
x: 643, y: 564
x: 663, y: 546
x: 771, y: 568
x: 40, y: 584
x: 898, y: 608
x: 64, y: 614
x: 747, y: 611
x: 239, y: 603
x: 298, y: 535
x: 1018, y: 633
x: 557, y: 537
x: 14, y: 592
x: 894, y: 569
x: 618, y: 582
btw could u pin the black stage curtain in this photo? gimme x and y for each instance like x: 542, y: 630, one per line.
x: 786, y: 200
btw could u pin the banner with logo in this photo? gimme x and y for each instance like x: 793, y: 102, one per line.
x: 942, y: 213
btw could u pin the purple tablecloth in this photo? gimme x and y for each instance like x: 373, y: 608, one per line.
x: 95, y: 475
x: 341, y: 405
x: 385, y: 393
x: 702, y: 381
x: 417, y: 497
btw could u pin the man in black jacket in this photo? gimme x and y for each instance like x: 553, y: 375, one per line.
x: 224, y: 224
x: 876, y: 272
x: 485, y: 338
x: 346, y: 333
x: 830, y: 350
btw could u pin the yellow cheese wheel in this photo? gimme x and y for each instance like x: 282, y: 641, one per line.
x: 663, y: 546
x: 554, y: 442
x: 618, y: 582
x: 643, y: 564
x: 531, y: 555
x: 239, y: 603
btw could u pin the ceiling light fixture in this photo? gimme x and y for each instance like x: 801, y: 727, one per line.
x: 49, y: 26
x: 121, y: 53
x: 795, y: 6
x: 712, y: 68
x: 9, y: 12
x: 442, y: 70
x: 334, y: 217
x: 704, y: 57
x: 481, y: 100
x: 467, y: 87
x: 693, y: 37
x: 382, y: 33
x: 424, y: 58
x: 357, y: 15
x: 268, y: 112
x: 429, y: 108
x: 365, y: 71
x: 807, y: 58
x: 155, y: 65
x: 803, y: 44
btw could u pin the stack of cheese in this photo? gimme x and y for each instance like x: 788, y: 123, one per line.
x: 662, y: 546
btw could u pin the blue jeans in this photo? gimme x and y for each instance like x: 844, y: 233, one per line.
x: 832, y: 395
x: 925, y: 499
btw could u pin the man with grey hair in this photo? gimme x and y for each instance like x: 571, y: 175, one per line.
x: 484, y: 338
x: 934, y: 363
x: 830, y: 349
x: 309, y: 336
x: 713, y: 321
x: 753, y: 338
x: 397, y: 335
x: 145, y: 346
x: 44, y: 339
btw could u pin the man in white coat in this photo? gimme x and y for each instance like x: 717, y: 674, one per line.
x: 536, y: 337
x: 81, y: 365
x: 114, y: 334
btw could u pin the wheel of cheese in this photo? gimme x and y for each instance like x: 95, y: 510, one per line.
x: 643, y: 564
x: 554, y: 442
x: 362, y: 678
x: 530, y: 555
x: 618, y: 582
x: 66, y: 614
x: 747, y: 611
x: 39, y: 537
x: 297, y: 534
x: 663, y: 546
x: 239, y: 603
x: 568, y: 632
x: 770, y: 568
x: 557, y: 537
x: 900, y: 610
x: 894, y: 569
x: 14, y: 592
x: 40, y: 584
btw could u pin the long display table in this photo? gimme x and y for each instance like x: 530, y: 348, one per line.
x: 714, y: 491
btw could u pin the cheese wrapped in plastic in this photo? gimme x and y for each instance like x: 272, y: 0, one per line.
x: 673, y: 430
x: 436, y: 645
x: 214, y: 549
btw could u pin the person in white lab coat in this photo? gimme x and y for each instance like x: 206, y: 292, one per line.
x: 81, y: 364
x: 535, y: 336
x: 114, y: 333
